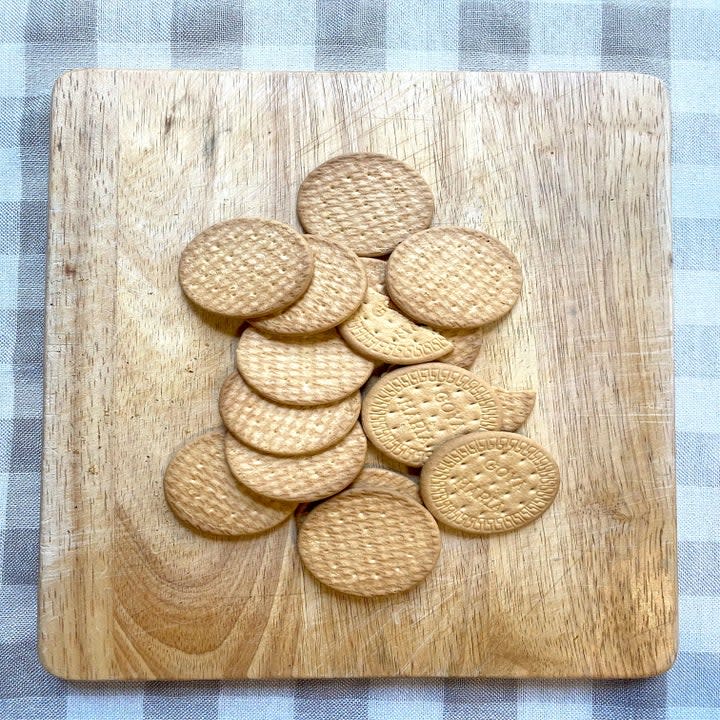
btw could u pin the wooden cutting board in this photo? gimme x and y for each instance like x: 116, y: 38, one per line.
x: 569, y: 170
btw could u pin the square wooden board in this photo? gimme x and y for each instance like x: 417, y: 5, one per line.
x: 569, y: 170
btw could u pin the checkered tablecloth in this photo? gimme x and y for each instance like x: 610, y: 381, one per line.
x: 678, y: 41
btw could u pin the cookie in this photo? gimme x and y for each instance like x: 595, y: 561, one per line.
x: 281, y: 429
x: 381, y: 333
x: 368, y: 202
x: 304, y: 371
x: 466, y: 345
x: 369, y: 542
x: 379, y: 478
x: 202, y: 491
x: 376, y: 271
x: 246, y: 267
x: 489, y: 482
x: 298, y: 479
x: 452, y: 277
x: 516, y: 407
x: 412, y: 410
x: 337, y: 289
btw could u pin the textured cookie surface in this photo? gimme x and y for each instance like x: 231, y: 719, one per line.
x: 489, y: 482
x: 298, y: 479
x: 246, y: 267
x: 281, y: 429
x: 378, y: 331
x: 369, y: 542
x: 382, y: 479
x: 376, y: 271
x: 516, y: 407
x: 336, y: 290
x: 466, y: 345
x: 202, y: 491
x: 369, y: 202
x: 305, y: 371
x: 410, y: 411
x: 451, y: 277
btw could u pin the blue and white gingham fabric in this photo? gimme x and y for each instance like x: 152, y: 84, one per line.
x: 677, y: 41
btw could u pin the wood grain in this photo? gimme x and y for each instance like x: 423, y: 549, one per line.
x: 569, y: 170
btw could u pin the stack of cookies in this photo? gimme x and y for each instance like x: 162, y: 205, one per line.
x: 339, y: 347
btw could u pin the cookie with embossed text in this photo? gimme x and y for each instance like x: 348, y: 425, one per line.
x: 489, y: 482
x: 411, y: 411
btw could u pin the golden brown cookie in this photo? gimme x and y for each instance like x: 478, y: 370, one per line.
x: 336, y: 291
x: 516, y: 407
x: 412, y: 410
x: 202, y: 491
x: 466, y: 345
x: 384, y: 334
x: 246, y: 267
x: 298, y: 479
x: 376, y: 270
x: 452, y: 277
x: 305, y: 371
x: 489, y: 482
x: 381, y: 479
x: 367, y: 201
x: 281, y: 429
x: 369, y: 542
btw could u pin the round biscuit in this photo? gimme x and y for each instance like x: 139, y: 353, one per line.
x: 305, y: 371
x: 337, y: 289
x: 298, y: 479
x: 452, y: 277
x: 281, y: 429
x: 369, y: 202
x: 383, y: 479
x: 489, y: 482
x: 201, y: 490
x: 246, y: 267
x: 382, y: 333
x: 369, y: 542
x: 412, y: 410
